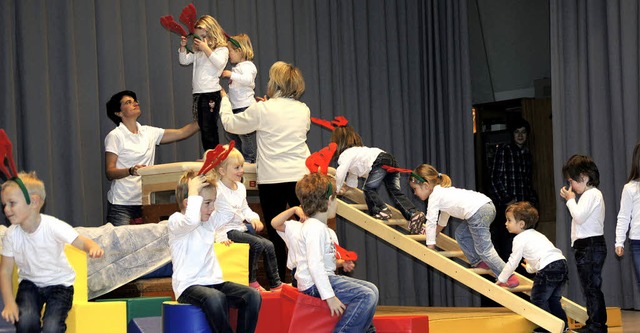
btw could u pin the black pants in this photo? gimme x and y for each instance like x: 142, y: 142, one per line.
x: 274, y: 199
x: 208, y: 107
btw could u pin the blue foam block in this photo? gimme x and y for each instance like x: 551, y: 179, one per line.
x: 179, y: 318
x: 145, y: 325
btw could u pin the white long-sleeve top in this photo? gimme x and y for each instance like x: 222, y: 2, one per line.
x: 533, y: 246
x: 317, y: 259
x: 191, y: 243
x: 206, y: 70
x: 451, y: 201
x: 629, y: 214
x: 291, y: 236
x: 355, y: 162
x: 587, y: 215
x: 281, y: 126
x: 242, y: 83
x: 232, y: 210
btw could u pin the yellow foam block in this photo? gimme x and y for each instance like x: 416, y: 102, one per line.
x: 97, y: 317
x: 234, y: 260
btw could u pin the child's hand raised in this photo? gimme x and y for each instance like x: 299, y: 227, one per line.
x: 567, y: 193
x: 300, y: 213
x: 226, y: 74
x: 196, y: 184
x: 202, y: 45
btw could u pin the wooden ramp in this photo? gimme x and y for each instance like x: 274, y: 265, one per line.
x: 394, y: 231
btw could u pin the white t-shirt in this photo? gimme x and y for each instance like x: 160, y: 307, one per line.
x: 40, y: 255
x: 355, y: 162
x: 317, y: 260
x: 232, y: 210
x: 281, y: 126
x: 241, y: 84
x: 291, y: 236
x: 587, y: 215
x: 206, y: 70
x: 191, y: 245
x: 451, y: 201
x: 533, y: 246
x: 629, y: 214
x: 131, y: 149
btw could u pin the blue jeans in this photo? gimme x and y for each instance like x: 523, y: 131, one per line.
x: 245, y: 143
x: 207, y: 106
x: 215, y: 300
x: 360, y: 297
x: 474, y: 238
x: 547, y: 288
x: 590, y: 254
x: 258, y: 246
x: 391, y: 180
x: 30, y: 300
x: 122, y: 214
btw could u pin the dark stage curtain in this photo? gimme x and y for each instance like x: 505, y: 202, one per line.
x: 594, y: 62
x: 398, y: 70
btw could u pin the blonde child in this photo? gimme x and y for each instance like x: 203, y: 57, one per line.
x: 587, y: 234
x: 356, y: 160
x: 475, y: 210
x: 541, y: 257
x: 629, y: 213
x: 281, y: 124
x: 209, y: 60
x: 197, y: 276
x: 35, y: 244
x: 354, y: 299
x: 242, y: 79
x: 234, y: 211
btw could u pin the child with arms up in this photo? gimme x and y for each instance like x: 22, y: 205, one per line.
x: 475, y: 210
x: 197, y: 275
x: 354, y: 299
x: 234, y: 212
x: 242, y: 79
x: 541, y: 257
x: 587, y: 234
x: 209, y: 60
x: 356, y: 160
x: 35, y: 244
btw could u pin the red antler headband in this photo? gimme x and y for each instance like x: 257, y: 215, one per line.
x: 413, y: 174
x: 338, y: 121
x: 213, y: 157
x: 187, y: 17
x: 6, y: 153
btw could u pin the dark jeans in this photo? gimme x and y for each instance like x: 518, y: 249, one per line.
x: 274, y: 199
x: 391, y: 180
x: 207, y: 106
x: 122, y: 214
x: 547, y: 288
x: 215, y: 300
x: 245, y: 143
x: 258, y: 246
x: 30, y: 300
x: 635, y: 253
x: 590, y: 254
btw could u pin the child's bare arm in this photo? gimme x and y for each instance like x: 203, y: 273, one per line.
x: 278, y: 221
x: 10, y: 312
x: 87, y: 245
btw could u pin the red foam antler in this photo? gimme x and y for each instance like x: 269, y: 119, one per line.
x: 189, y: 17
x: 171, y: 25
x: 394, y: 169
x: 338, y: 121
x: 321, y: 159
x: 6, y: 152
x: 342, y: 253
x: 213, y: 157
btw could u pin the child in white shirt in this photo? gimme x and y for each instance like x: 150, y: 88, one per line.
x: 197, y: 276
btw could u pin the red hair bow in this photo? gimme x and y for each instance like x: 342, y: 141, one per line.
x: 338, y: 121
x: 213, y: 157
x: 321, y: 159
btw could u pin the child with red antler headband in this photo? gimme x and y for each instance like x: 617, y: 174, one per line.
x: 356, y: 160
x: 197, y: 275
x: 35, y: 244
x: 209, y: 60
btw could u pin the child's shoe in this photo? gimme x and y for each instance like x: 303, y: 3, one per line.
x: 513, y: 281
x: 416, y: 224
x: 483, y: 265
x: 255, y: 285
x: 384, y: 214
x: 278, y: 288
